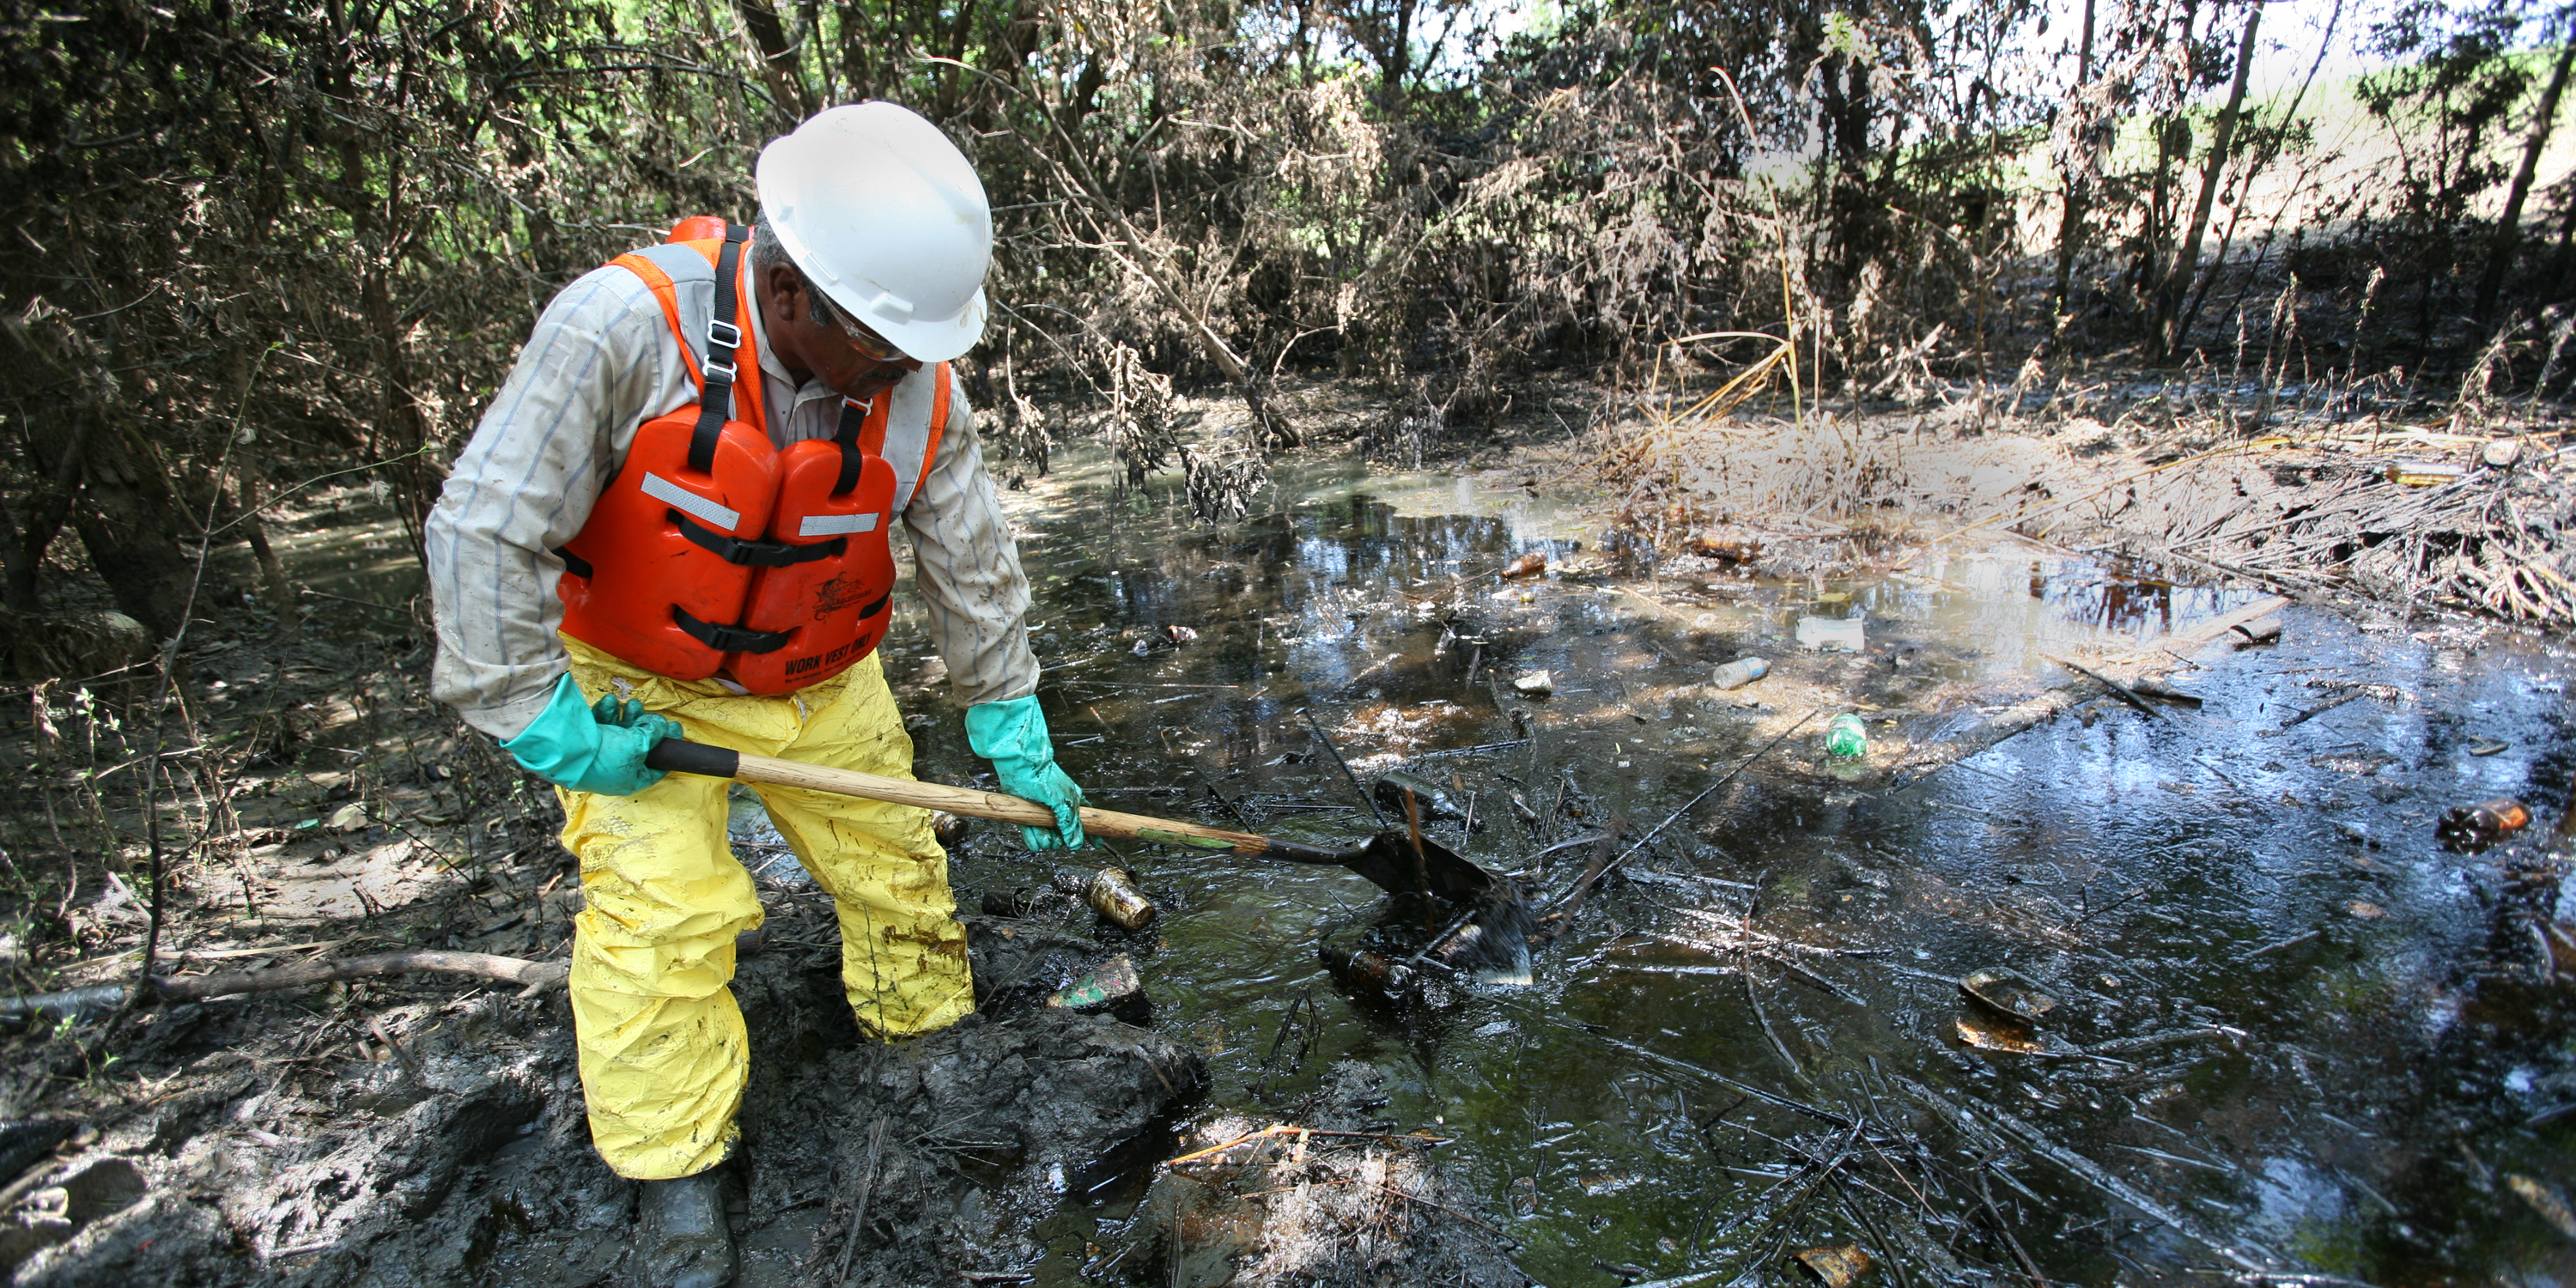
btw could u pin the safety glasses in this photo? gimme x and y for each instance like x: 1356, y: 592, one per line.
x: 868, y: 344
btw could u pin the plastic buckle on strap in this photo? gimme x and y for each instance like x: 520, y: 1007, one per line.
x: 725, y: 333
x: 720, y: 371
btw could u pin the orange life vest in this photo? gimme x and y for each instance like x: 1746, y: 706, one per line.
x: 711, y: 551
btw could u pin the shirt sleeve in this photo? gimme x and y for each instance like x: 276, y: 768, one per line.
x: 523, y: 486
x: 968, y: 569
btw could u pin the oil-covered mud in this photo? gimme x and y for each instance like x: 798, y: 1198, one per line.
x: 466, y: 1159
x: 2288, y: 1036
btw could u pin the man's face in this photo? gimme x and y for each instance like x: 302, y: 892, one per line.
x: 859, y: 367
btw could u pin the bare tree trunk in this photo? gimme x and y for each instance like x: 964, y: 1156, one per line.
x: 777, y: 59
x: 2186, y: 263
x: 2508, y: 232
x: 2070, y: 226
x: 125, y: 520
x: 47, y: 510
x: 250, y: 491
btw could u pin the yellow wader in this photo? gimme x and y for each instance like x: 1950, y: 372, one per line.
x: 663, y: 1055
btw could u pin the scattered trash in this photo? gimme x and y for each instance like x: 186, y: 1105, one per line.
x: 1528, y: 565
x: 2468, y: 828
x: 1112, y: 893
x: 1989, y: 1033
x: 1845, y: 739
x: 1740, y: 672
x: 2543, y: 1200
x: 2501, y: 453
x: 1730, y: 549
x: 1111, y: 986
x: 2158, y: 689
x: 1845, y: 633
x: 2009, y: 994
x: 1143, y: 647
x: 351, y: 817
x: 1837, y: 1266
x: 2425, y: 473
x: 1179, y: 634
x: 2488, y: 746
x: 1536, y: 684
x: 949, y: 828
x: 2365, y: 911
x: 2262, y: 630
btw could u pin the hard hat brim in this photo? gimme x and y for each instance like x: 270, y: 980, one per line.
x: 931, y: 340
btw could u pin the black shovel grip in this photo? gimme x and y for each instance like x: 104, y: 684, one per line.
x: 1273, y: 848
x: 681, y: 756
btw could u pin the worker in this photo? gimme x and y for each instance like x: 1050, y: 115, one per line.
x: 673, y: 520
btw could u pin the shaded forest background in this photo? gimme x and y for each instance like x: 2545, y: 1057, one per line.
x: 257, y: 244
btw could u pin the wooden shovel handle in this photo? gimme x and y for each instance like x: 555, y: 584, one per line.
x: 683, y: 756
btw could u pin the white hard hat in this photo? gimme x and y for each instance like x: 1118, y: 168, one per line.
x: 884, y: 214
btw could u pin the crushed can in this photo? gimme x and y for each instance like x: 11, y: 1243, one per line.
x: 1112, y: 986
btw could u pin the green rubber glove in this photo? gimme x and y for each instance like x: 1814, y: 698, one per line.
x: 597, y: 748
x: 1013, y: 735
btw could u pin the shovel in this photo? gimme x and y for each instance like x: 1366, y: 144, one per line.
x: 1394, y: 860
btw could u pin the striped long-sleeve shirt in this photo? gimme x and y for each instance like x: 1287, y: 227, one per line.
x: 600, y: 363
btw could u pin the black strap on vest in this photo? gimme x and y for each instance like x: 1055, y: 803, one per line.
x: 724, y: 338
x: 854, y: 417
x: 755, y: 554
x: 728, y: 639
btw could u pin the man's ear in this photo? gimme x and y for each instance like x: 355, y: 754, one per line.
x: 786, y: 294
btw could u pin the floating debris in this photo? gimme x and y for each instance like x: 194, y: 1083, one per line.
x: 351, y: 817
x: 2158, y: 689
x: 2008, y: 994
x: 1179, y: 634
x: 2469, y: 828
x: 1839, y: 1266
x: 1987, y: 1033
x: 1536, y: 684
x: 1844, y: 633
x: 2501, y: 453
x: 1528, y: 565
x: 1729, y: 549
x: 2543, y: 1200
x: 2262, y: 630
x: 2365, y: 910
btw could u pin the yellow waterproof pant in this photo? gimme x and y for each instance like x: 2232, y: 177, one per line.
x: 663, y: 1055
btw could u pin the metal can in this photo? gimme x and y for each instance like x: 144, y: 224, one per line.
x: 1112, y: 893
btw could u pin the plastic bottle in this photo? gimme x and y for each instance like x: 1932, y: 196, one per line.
x: 1740, y: 672
x: 1845, y: 739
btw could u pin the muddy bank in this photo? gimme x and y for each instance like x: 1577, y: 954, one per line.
x: 464, y: 1158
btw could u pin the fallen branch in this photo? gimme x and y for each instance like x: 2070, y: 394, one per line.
x: 534, y: 977
x: 2122, y: 691
x: 1292, y: 1129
